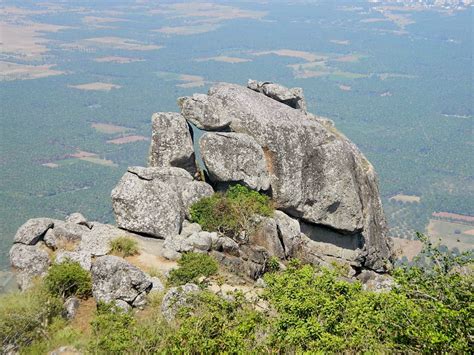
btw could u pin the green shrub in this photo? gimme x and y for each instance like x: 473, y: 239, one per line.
x: 191, y: 267
x: 230, y: 212
x: 68, y: 279
x: 430, y: 310
x: 213, y: 325
x: 24, y: 317
x: 124, y: 246
x: 59, y: 333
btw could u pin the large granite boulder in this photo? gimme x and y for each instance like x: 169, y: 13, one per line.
x: 30, y: 261
x: 293, y: 97
x: 33, y: 230
x: 230, y: 157
x: 154, y: 201
x: 316, y: 174
x: 116, y: 280
x: 171, y: 142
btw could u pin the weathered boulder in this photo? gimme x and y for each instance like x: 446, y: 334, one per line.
x: 78, y: 218
x: 289, y: 232
x: 154, y: 201
x: 231, y: 157
x: 204, y: 112
x: 266, y: 236
x: 372, y: 281
x: 30, y: 261
x: 293, y: 97
x: 176, y: 298
x: 33, y: 231
x: 192, y: 192
x: 71, y: 306
x: 96, y: 241
x: 83, y: 258
x: 316, y: 174
x: 145, y: 201
x: 65, y: 235
x: 171, y: 142
x: 115, y: 279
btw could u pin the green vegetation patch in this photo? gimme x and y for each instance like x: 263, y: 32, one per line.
x: 68, y: 279
x: 24, y: 316
x: 230, y: 212
x: 191, y: 267
x: 124, y: 246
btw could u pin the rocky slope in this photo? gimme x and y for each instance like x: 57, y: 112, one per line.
x: 325, y: 192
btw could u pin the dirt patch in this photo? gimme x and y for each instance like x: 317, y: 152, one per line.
x: 224, y: 59
x: 187, y: 30
x: 119, y: 60
x: 451, y: 234
x: 340, y: 42
x: 100, y: 22
x: 127, y: 139
x: 97, y: 86
x: 112, y: 42
x: 109, y: 128
x: 84, y: 315
x: 12, y: 71
x: 406, y: 198
x: 345, y: 87
x: 469, y: 232
x: 82, y: 154
x: 51, y: 165
x: 348, y: 58
x: 25, y: 39
x: 191, y: 81
x: 99, y: 161
x: 455, y: 216
x: 408, y: 248
x: 310, y: 57
x: 385, y: 76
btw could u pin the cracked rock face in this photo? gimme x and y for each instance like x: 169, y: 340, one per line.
x: 231, y: 157
x: 154, y: 201
x: 316, y: 174
x: 171, y: 142
x: 114, y: 279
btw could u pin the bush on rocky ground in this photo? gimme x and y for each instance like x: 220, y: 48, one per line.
x: 191, y: 267
x: 124, y: 246
x: 230, y: 213
x: 25, y: 316
x: 68, y: 279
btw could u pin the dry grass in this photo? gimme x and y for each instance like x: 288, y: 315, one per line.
x: 97, y: 86
x: 84, y: 315
x: 224, y: 59
x: 118, y: 60
x: 408, y: 248
x: 109, y: 128
x: 406, y: 198
x: 12, y: 71
x: 451, y: 234
x: 345, y: 87
x: 310, y: 57
x: 111, y: 42
x: 187, y: 30
x: 127, y: 139
x: 455, y: 216
x: 99, y: 161
x: 340, y: 42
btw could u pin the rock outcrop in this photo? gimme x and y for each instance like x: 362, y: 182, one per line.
x: 171, y: 143
x: 316, y: 174
x: 115, y: 280
x: 154, y: 201
x: 234, y: 157
x: 293, y: 97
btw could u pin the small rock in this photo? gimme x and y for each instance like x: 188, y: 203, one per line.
x: 372, y: 281
x: 33, y: 230
x: 175, y: 298
x: 229, y: 246
x: 65, y: 235
x: 124, y: 306
x: 170, y: 254
x: 65, y: 350
x: 260, y: 283
x: 78, y: 218
x: 31, y: 260
x: 157, y: 284
x: 201, y: 241
x: 70, y: 306
x: 190, y: 228
x: 192, y: 192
